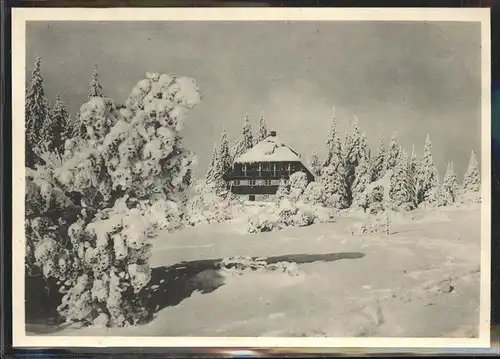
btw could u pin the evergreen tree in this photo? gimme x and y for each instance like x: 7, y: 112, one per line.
x: 262, y: 130
x: 354, y: 151
x: 100, y: 279
x: 428, y: 177
x: 450, y: 185
x: 330, y: 142
x: 362, y: 177
x: 37, y: 112
x: 436, y: 197
x: 95, y: 88
x: 315, y: 165
x: 364, y: 152
x: 413, y: 171
x: 247, y: 134
x: 472, y: 178
x: 225, y: 162
x: 379, y: 163
x: 212, y: 167
x: 246, y: 141
x: 471, y: 185
x: 70, y: 130
x: 337, y: 157
x: 57, y: 126
x: 334, y: 179
x: 298, y: 184
x: 393, y: 154
x: 283, y: 190
x: 399, y: 189
x: 80, y: 130
x: 362, y: 172
x: 353, y: 148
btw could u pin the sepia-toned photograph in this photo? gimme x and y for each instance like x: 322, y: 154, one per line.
x: 267, y: 178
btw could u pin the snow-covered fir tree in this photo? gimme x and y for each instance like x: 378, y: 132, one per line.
x: 223, y: 164
x: 450, y: 185
x: 472, y: 178
x: 212, y: 167
x: 57, y: 126
x: 337, y: 153
x: 364, y: 152
x: 330, y: 142
x: 413, y: 172
x: 283, y: 189
x: 246, y: 140
x: 298, y: 184
x: 354, y: 147
x: 355, y: 150
x: 471, y: 185
x: 334, y: 179
x: 71, y: 129
x: 133, y: 173
x: 262, y: 130
x: 362, y: 172
x: 37, y: 113
x: 378, y: 167
x: 362, y: 177
x: 314, y: 194
x: 315, y: 165
x: 393, y: 153
x: 95, y: 88
x: 247, y: 137
x: 428, y: 178
x: 399, y: 189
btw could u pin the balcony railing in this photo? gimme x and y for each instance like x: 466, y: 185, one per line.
x: 259, y: 182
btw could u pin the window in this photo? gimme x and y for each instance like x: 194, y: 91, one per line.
x: 274, y: 169
x: 260, y: 170
x: 289, y: 169
x: 244, y: 170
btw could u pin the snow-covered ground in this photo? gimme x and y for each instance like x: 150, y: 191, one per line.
x: 420, y: 281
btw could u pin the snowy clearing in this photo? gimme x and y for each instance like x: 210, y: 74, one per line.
x: 421, y: 281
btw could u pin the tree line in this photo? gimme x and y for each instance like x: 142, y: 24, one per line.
x: 349, y: 169
x: 48, y: 126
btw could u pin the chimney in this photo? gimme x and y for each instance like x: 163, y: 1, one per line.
x: 272, y: 133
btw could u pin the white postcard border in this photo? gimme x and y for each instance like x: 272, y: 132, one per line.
x: 19, y: 18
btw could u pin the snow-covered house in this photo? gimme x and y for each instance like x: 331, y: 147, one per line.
x: 260, y: 170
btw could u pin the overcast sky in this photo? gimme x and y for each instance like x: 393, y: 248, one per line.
x: 414, y: 78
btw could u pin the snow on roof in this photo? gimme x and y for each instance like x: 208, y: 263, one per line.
x: 270, y: 149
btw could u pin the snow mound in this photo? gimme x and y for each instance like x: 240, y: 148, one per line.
x: 243, y: 264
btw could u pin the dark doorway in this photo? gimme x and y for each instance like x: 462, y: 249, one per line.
x: 251, y: 197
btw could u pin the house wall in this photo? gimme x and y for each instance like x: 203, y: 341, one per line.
x: 262, y: 177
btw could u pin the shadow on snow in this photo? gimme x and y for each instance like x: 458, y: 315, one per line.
x: 171, y: 285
